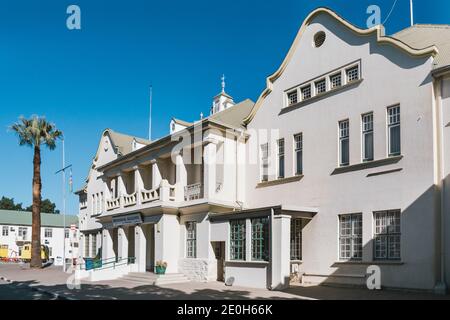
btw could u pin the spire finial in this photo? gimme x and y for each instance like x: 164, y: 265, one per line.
x: 223, y: 83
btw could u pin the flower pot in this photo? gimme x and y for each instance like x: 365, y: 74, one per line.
x: 160, y: 270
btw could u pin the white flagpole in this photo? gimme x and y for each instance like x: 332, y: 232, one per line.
x: 150, y: 116
x: 64, y: 205
x: 412, y: 11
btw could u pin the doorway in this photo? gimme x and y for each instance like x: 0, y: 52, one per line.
x: 149, y: 233
x: 219, y: 251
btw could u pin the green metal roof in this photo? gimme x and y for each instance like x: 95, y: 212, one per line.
x: 22, y: 218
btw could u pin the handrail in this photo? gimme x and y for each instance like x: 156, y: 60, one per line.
x: 108, y: 263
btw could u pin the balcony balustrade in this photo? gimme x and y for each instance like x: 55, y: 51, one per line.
x: 150, y: 195
x: 113, y: 204
x: 129, y: 200
x: 193, y: 192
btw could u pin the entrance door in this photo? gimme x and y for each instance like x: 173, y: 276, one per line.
x: 219, y: 251
x: 149, y: 232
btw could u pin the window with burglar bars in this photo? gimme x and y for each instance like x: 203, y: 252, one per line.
x: 350, y: 236
x: 306, y: 92
x: 352, y: 74
x: 260, y: 239
x: 367, y: 137
x: 336, y: 80
x: 387, y: 235
x: 265, y: 162
x: 321, y: 86
x: 237, y: 240
x: 292, y: 97
x: 281, y: 159
x: 394, y: 131
x: 344, y: 143
x: 296, y: 239
x: 191, y: 240
x: 298, y: 149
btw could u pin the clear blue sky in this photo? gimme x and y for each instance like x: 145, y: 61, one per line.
x: 99, y: 77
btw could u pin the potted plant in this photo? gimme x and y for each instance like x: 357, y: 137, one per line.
x: 160, y: 267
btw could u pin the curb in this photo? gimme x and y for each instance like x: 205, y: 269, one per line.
x: 56, y: 296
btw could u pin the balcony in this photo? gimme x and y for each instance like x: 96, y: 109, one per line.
x: 129, y: 200
x: 113, y: 204
x: 149, y: 195
x: 193, y: 192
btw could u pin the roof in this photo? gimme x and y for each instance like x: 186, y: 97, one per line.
x: 23, y: 218
x: 124, y: 142
x: 182, y: 122
x: 425, y: 35
x: 235, y: 115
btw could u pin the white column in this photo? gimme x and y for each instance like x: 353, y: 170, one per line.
x: 167, y: 249
x: 280, y: 259
x: 140, y: 245
x: 138, y: 181
x: 123, y: 243
x: 121, y: 185
x: 107, y: 245
x: 156, y: 175
x: 209, y: 157
x: 181, y: 177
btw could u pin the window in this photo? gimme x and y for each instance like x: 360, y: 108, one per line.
x: 350, y: 237
x: 344, y: 141
x: 66, y: 233
x: 367, y: 137
x: 296, y: 239
x: 5, y: 231
x: 306, y: 92
x: 237, y: 240
x: 387, y: 235
x: 22, y: 232
x: 352, y: 74
x: 319, y: 39
x: 292, y: 97
x: 281, y: 159
x: 265, y: 162
x: 260, y: 239
x: 394, y: 130
x: 86, y: 246
x: 321, y: 86
x: 48, y: 233
x: 336, y: 80
x: 50, y: 252
x: 298, y: 147
x: 191, y: 240
x: 94, y: 246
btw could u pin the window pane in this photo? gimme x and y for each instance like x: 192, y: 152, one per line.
x: 296, y: 239
x: 394, y: 133
x: 260, y: 239
x: 237, y: 240
x: 368, y: 146
x: 345, y: 152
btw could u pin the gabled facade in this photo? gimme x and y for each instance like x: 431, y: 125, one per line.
x: 341, y: 164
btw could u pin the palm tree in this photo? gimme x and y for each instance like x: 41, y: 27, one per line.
x: 34, y: 133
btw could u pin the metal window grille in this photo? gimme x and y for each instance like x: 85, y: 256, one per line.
x: 260, y: 239
x: 298, y: 140
x: 281, y: 159
x: 350, y: 237
x: 352, y: 74
x: 394, y: 130
x: 191, y: 240
x: 306, y: 92
x: 344, y: 141
x: 387, y: 235
x: 237, y: 240
x: 321, y: 86
x: 367, y: 136
x: 336, y: 80
x: 296, y: 239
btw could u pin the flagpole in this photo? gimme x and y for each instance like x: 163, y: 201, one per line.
x: 64, y: 205
x: 412, y: 11
x: 150, y: 116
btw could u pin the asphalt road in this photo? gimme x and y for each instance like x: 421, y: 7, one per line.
x: 13, y: 291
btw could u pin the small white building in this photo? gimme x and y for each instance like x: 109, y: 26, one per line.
x: 342, y: 163
x: 15, y: 231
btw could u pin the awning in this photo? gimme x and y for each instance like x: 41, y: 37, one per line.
x: 294, y: 211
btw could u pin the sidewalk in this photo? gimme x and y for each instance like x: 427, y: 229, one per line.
x: 53, y: 280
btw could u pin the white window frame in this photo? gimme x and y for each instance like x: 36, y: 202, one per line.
x: 264, y: 158
x: 191, y: 239
x: 48, y: 233
x: 367, y: 129
x: 296, y: 239
x: 332, y: 77
x: 288, y: 97
x: 393, y: 121
x: 387, y: 231
x: 281, y: 146
x: 319, y: 82
x: 22, y: 232
x: 298, y: 149
x: 5, y: 231
x: 351, y: 237
x: 344, y: 134
x: 348, y: 72
x: 303, y: 90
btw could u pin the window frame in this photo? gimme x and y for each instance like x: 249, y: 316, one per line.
x: 304, y: 89
x: 392, y: 125
x: 348, y: 72
x: 298, y: 154
x: 319, y: 82
x: 367, y: 130
x: 191, y: 239
x: 281, y: 165
x: 352, y: 239
x: 48, y: 233
x: 387, y: 235
x: 5, y: 228
x: 343, y: 138
x: 296, y: 239
x: 264, y: 158
x: 334, y: 75
x: 238, y: 240
x: 260, y: 239
x: 288, y: 96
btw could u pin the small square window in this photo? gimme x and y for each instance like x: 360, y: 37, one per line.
x: 336, y: 80
x: 321, y: 86
x: 306, y: 92
x: 352, y: 74
x: 292, y: 97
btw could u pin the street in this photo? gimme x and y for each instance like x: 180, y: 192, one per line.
x: 20, y: 291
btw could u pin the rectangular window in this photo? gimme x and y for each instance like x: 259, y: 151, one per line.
x: 350, y: 237
x: 48, y: 232
x: 352, y: 74
x: 306, y: 92
x: 296, y: 239
x: 387, y: 235
x: 66, y: 233
x: 5, y: 231
x: 237, y: 240
x: 191, y: 240
x: 265, y: 162
x: 394, y: 131
x: 292, y: 97
x: 86, y: 246
x: 260, y: 239
x: 22, y: 232
x: 344, y: 143
x: 321, y: 86
x: 281, y: 159
x: 367, y: 137
x: 336, y: 80
x: 50, y: 252
x: 94, y: 246
x: 298, y: 147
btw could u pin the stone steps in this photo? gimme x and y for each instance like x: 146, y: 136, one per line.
x: 153, y: 279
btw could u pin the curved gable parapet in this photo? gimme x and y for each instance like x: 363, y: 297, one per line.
x: 376, y: 30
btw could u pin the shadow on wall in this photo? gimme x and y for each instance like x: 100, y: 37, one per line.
x: 418, y: 235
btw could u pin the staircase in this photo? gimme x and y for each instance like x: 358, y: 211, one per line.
x: 152, y: 279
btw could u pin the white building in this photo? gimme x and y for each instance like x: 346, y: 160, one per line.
x: 342, y: 163
x: 15, y: 231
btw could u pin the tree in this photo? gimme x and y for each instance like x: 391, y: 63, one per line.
x: 9, y: 204
x: 35, y: 133
x: 46, y: 207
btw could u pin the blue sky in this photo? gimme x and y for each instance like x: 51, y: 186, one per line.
x: 98, y: 77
